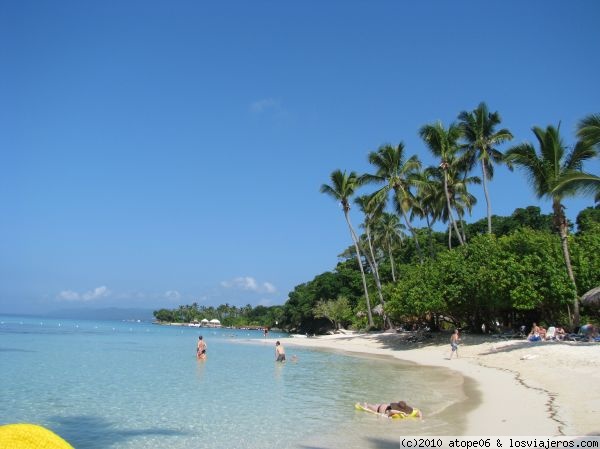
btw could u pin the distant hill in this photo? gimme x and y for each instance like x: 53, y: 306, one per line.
x: 109, y: 313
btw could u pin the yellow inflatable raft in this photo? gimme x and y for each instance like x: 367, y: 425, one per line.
x: 30, y: 436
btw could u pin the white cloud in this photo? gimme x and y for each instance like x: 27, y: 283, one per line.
x: 264, y: 105
x: 69, y: 295
x: 97, y: 293
x: 172, y: 295
x: 250, y: 284
x: 269, y: 288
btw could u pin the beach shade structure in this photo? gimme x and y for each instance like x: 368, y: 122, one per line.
x: 214, y: 322
x: 204, y: 321
x: 591, y: 298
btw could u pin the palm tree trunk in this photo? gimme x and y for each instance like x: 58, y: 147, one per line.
x: 450, y: 214
x: 414, y: 233
x: 561, y: 223
x: 375, y: 270
x: 487, y: 197
x: 462, y: 228
x: 391, y: 255
x: 374, y: 267
x: 362, y: 271
x: 430, y: 232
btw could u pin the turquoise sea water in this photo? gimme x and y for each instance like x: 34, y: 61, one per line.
x: 119, y: 385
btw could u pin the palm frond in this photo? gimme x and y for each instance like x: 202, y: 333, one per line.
x: 588, y: 129
x: 525, y: 157
x: 577, y: 181
x: 582, y: 151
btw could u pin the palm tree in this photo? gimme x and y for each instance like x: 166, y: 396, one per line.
x: 457, y: 188
x: 371, y: 210
x: 443, y: 143
x: 553, y: 173
x: 588, y: 129
x: 431, y: 199
x: 478, y: 128
x: 388, y: 230
x: 342, y: 188
x: 398, y: 176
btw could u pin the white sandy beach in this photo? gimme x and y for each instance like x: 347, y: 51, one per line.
x: 548, y: 388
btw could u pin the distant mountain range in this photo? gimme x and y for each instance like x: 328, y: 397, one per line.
x: 109, y: 313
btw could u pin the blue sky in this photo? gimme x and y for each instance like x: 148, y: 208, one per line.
x: 157, y: 153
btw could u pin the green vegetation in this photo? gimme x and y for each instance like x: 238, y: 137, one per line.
x: 554, y: 172
x: 230, y: 316
x: 495, y: 273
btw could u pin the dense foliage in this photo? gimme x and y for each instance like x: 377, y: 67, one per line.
x: 500, y: 281
x: 495, y: 273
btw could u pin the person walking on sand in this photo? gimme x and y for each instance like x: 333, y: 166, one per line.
x: 454, y: 339
x: 201, y: 347
x: 279, y: 352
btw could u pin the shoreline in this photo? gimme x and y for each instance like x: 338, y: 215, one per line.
x: 520, y: 388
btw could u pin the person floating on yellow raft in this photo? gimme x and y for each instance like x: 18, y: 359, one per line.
x: 393, y: 410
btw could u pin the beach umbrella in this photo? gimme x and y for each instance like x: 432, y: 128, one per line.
x: 591, y: 298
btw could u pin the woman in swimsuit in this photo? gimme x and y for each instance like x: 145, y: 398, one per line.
x: 393, y: 408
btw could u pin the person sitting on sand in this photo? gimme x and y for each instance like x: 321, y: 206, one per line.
x: 534, y: 334
x: 559, y: 333
x: 542, y: 331
x: 394, y: 408
x: 589, y: 331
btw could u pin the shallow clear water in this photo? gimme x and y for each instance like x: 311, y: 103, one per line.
x: 137, y: 385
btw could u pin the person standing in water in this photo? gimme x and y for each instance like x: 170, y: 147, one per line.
x: 201, y: 348
x: 279, y: 352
